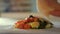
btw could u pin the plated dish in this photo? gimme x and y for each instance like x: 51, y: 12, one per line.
x: 10, y: 29
x: 33, y: 22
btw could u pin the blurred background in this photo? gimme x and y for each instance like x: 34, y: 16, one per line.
x: 17, y: 5
x: 17, y: 8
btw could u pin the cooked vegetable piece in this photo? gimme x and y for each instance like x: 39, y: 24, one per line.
x: 34, y: 24
x: 48, y: 26
x: 27, y: 26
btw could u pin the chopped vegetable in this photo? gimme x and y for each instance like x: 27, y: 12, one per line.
x: 33, y: 23
x: 27, y: 26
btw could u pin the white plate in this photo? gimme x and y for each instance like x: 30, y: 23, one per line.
x: 6, y: 27
x: 7, y: 21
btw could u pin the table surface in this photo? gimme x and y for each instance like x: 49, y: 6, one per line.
x: 6, y: 27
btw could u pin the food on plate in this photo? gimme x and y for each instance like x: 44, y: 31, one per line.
x: 33, y: 22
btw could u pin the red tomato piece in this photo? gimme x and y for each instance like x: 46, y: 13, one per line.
x: 27, y: 26
x: 20, y: 24
x: 30, y: 20
x: 22, y: 21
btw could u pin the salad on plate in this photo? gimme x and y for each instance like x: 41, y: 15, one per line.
x: 33, y: 22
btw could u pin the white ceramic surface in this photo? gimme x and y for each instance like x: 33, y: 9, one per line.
x: 6, y: 27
